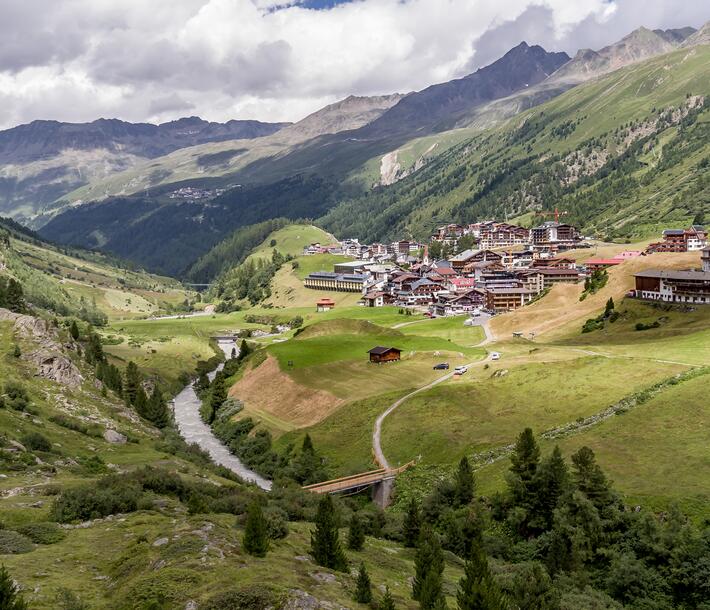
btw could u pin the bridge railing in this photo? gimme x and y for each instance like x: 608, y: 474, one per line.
x: 363, y: 479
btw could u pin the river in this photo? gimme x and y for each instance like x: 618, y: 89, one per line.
x: 194, y: 430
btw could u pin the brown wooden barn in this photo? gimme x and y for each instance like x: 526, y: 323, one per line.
x: 384, y: 354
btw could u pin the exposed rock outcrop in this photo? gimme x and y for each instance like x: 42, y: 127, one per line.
x: 48, y: 357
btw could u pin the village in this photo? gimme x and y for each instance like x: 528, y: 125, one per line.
x: 493, y: 267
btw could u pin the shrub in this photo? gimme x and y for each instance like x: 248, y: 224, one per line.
x: 42, y: 533
x: 16, y: 396
x: 71, y: 423
x: 36, y: 442
x: 276, y: 522
x: 12, y: 543
x: 95, y: 501
x: 250, y: 597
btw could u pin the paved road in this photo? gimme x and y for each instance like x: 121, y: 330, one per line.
x: 377, y: 430
x: 194, y: 430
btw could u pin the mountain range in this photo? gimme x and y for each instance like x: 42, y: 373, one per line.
x: 121, y: 187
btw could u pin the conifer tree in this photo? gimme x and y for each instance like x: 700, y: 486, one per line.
x: 428, y: 558
x: 356, y: 534
x: 524, y: 462
x: 325, y: 540
x: 202, y: 383
x: 256, y: 539
x: 431, y: 596
x: 233, y: 354
x: 464, y: 483
x: 132, y: 383
x: 14, y: 297
x: 609, y: 307
x: 386, y: 603
x: 218, y: 395
x: 590, y: 479
x: 10, y: 599
x: 412, y: 524
x: 477, y: 589
x: 363, y: 589
x: 552, y: 482
x: 141, y: 402
x: 74, y: 330
x: 157, y: 409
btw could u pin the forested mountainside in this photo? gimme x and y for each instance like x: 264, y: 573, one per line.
x: 624, y: 155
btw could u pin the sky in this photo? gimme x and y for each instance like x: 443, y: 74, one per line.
x: 276, y: 60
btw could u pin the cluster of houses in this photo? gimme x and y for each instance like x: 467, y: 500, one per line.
x: 550, y: 236
x: 681, y: 240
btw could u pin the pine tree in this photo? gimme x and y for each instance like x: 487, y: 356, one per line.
x: 524, y: 462
x: 464, y: 482
x: 10, y: 599
x: 74, y: 330
x: 141, y: 402
x: 256, y: 539
x: 363, y: 590
x: 386, y: 603
x: 244, y: 349
x: 14, y: 297
x: 412, y: 524
x: 428, y: 558
x: 325, y: 540
x: 356, y: 534
x: 590, y: 479
x: 477, y: 589
x: 157, y: 409
x: 218, y: 395
x: 233, y: 354
x: 552, y: 482
x: 609, y: 307
x: 132, y: 383
x: 202, y: 383
x: 431, y: 596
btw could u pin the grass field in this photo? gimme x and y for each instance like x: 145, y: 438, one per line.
x: 291, y: 240
x: 656, y: 453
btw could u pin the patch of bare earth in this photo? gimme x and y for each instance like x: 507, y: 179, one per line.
x: 267, y: 388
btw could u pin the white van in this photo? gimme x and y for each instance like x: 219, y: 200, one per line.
x: 460, y: 370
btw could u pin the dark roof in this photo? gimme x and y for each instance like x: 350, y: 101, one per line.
x: 675, y: 275
x: 379, y: 350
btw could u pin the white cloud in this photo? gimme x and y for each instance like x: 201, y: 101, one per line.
x: 271, y: 59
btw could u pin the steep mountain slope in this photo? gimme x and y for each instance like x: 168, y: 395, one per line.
x: 90, y: 286
x: 43, y: 160
x: 625, y: 154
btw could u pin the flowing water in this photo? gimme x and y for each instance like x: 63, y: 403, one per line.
x: 194, y: 430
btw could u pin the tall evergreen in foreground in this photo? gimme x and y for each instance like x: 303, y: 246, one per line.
x: 477, y: 589
x: 386, y: 603
x: 464, y: 483
x: 10, y: 599
x: 363, y: 590
x: 256, y: 539
x: 157, y: 409
x: 356, y: 534
x: 412, y: 524
x: 325, y: 540
x: 217, y: 396
x: 428, y: 559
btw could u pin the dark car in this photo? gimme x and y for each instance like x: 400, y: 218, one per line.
x: 442, y: 366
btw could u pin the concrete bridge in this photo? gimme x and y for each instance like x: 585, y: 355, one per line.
x: 355, y: 483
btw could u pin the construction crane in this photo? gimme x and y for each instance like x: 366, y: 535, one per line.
x: 556, y: 213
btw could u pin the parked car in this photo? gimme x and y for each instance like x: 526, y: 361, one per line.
x: 495, y: 356
x: 460, y: 370
x: 442, y: 366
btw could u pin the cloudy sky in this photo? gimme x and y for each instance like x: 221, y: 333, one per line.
x: 276, y: 60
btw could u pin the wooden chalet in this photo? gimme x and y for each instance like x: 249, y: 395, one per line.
x: 381, y: 354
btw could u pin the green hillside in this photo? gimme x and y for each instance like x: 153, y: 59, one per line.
x: 625, y: 155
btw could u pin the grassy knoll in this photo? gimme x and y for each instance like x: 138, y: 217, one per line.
x: 444, y: 423
x: 451, y: 328
x: 291, y: 240
x: 656, y: 454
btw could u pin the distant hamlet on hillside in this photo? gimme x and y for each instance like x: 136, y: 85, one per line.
x: 494, y: 267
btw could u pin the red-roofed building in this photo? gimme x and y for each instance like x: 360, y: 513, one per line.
x: 602, y: 263
x: 462, y: 284
x: 325, y: 304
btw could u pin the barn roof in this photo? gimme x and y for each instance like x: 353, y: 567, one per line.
x: 379, y: 350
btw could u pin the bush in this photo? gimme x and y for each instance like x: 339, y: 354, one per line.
x: 42, y: 533
x: 36, y: 442
x: 16, y: 396
x: 276, y: 522
x: 251, y: 597
x: 95, y: 501
x: 71, y: 423
x: 12, y: 543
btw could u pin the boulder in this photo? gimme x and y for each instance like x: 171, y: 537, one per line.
x: 111, y: 436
